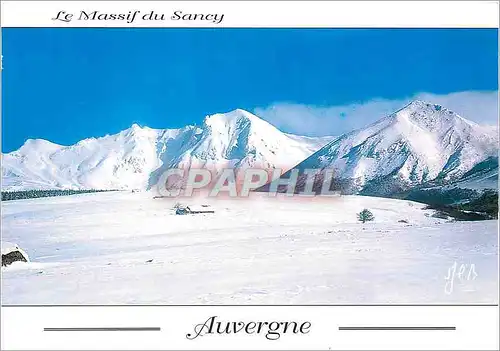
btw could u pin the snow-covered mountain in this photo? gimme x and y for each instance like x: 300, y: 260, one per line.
x: 418, y: 144
x: 136, y: 157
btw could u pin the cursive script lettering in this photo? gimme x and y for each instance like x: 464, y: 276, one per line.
x: 464, y: 273
x: 271, y: 330
x: 137, y: 16
x: 212, y: 17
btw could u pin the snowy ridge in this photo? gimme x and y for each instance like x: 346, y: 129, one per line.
x: 417, y: 144
x: 135, y: 157
x: 240, y: 139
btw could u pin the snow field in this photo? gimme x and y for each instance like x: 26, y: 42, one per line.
x: 127, y: 248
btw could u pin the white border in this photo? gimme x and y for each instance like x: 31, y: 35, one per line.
x: 476, y: 328
x: 348, y: 14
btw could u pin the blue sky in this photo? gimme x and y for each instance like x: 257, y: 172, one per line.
x: 64, y: 85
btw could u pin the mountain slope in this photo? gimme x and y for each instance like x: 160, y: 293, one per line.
x: 136, y: 157
x: 415, y: 145
x: 241, y: 140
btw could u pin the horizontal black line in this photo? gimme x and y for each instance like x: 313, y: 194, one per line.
x: 397, y: 328
x: 105, y: 329
x: 263, y: 305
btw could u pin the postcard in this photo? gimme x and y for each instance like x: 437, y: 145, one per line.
x: 172, y: 172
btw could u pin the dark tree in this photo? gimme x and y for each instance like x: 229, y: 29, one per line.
x: 365, y: 216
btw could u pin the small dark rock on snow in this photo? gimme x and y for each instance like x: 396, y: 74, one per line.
x: 11, y: 257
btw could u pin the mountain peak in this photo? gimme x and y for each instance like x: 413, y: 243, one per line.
x: 418, y: 143
x: 38, y: 145
x: 427, y: 114
x: 236, y: 120
x: 418, y: 103
x: 136, y: 130
x: 231, y: 116
x: 415, y: 105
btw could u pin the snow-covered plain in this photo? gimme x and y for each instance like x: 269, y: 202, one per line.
x: 128, y: 248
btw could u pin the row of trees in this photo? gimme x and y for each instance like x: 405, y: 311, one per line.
x: 480, y: 208
x: 31, y: 194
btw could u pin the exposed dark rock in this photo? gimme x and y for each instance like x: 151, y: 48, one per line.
x: 11, y: 257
